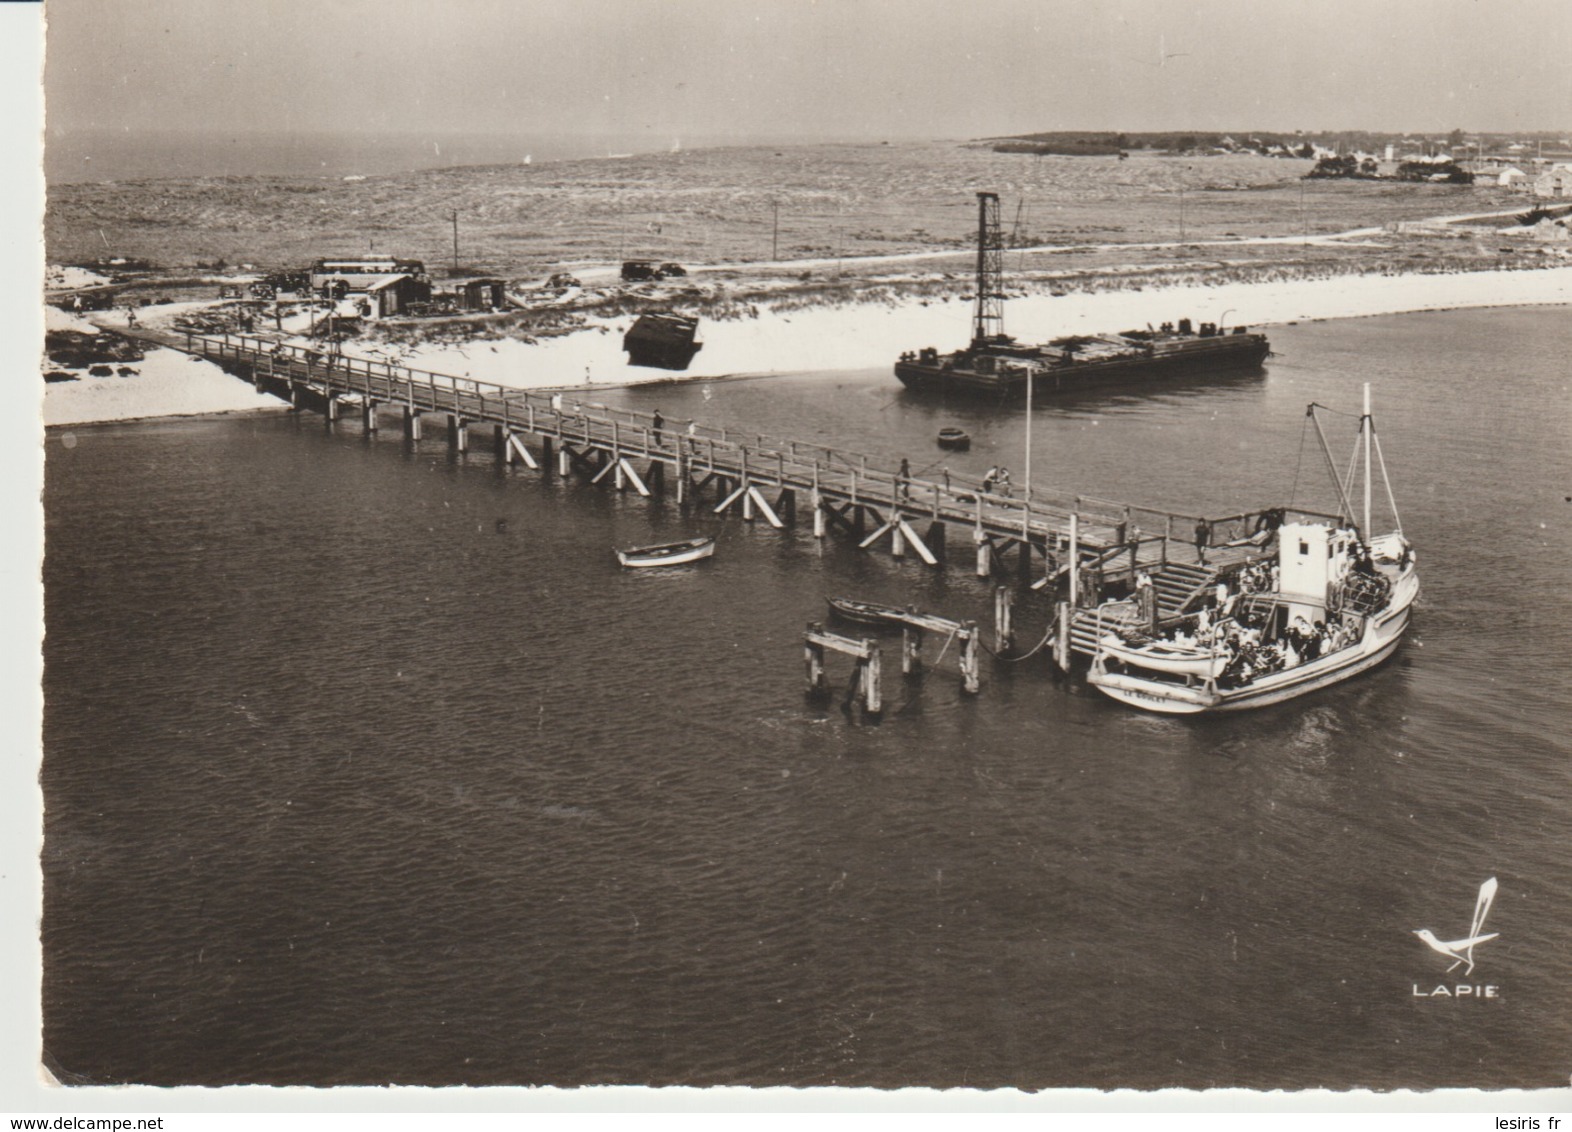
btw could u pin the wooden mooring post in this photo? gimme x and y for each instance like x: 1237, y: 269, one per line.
x: 1061, y: 651
x: 915, y: 624
x: 1004, y: 631
x: 864, y: 687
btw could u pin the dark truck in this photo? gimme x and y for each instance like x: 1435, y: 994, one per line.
x: 638, y: 270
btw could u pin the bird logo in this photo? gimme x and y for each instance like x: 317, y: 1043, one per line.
x: 1461, y: 951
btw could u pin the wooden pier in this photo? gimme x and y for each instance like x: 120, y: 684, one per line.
x: 1073, y: 546
x: 761, y: 476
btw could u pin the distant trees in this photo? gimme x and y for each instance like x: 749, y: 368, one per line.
x: 1345, y: 166
x: 1445, y: 171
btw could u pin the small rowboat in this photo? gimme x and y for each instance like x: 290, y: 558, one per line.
x: 956, y: 438
x: 866, y: 612
x: 668, y: 554
x: 1167, y: 656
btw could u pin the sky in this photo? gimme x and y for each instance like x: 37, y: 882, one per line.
x: 844, y: 68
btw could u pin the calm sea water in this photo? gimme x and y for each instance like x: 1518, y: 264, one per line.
x: 369, y: 765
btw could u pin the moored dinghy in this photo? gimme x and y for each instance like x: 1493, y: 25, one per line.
x: 669, y: 553
x: 866, y: 612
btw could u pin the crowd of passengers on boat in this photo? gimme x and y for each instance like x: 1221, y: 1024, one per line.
x: 1242, y: 630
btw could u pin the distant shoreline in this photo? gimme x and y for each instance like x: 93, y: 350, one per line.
x: 855, y: 336
x: 106, y: 156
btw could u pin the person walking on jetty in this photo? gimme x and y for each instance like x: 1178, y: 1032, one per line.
x: 1203, y: 539
x: 1146, y: 601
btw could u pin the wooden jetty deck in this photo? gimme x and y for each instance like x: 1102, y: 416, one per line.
x: 759, y: 476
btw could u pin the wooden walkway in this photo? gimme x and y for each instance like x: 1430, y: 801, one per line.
x: 760, y: 476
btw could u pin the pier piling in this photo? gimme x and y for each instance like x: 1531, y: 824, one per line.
x: 1004, y: 632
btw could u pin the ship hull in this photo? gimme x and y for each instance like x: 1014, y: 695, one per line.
x: 1382, y: 636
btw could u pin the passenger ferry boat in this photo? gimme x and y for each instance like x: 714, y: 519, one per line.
x: 1333, y: 602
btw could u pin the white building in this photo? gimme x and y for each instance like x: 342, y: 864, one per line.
x: 1555, y: 183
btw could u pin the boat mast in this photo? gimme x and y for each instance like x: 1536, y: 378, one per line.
x: 988, y: 321
x: 1364, y: 426
x: 1347, y: 514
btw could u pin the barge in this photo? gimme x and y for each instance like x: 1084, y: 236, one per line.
x: 996, y: 366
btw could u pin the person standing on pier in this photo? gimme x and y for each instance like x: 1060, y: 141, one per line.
x: 903, y: 478
x: 1004, y: 482
x: 1203, y: 539
x: 1146, y: 601
x: 990, y: 478
x: 130, y: 317
x: 657, y: 422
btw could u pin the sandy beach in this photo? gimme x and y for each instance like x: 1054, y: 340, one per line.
x: 845, y: 337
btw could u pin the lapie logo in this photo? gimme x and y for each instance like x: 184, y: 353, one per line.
x: 1461, y: 951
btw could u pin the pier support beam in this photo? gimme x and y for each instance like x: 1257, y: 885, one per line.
x: 813, y: 658
x: 626, y: 473
x: 786, y: 505
x: 756, y: 497
x: 864, y: 688
x: 904, y: 530
x: 368, y: 415
x: 935, y: 540
x: 911, y: 651
x: 411, y: 422
x: 966, y: 632
x: 1061, y: 614
x: 1004, y: 632
x: 511, y: 449
x: 969, y: 681
x: 458, y: 433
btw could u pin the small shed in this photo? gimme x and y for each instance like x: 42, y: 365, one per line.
x: 375, y: 296
x: 482, y: 294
